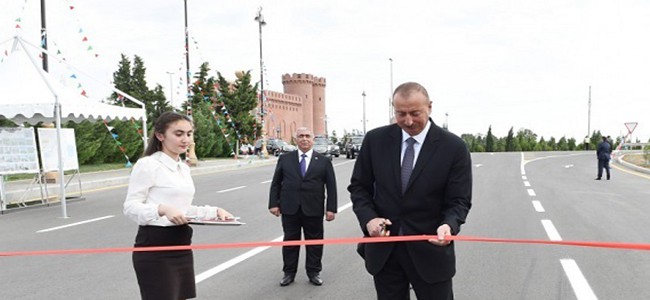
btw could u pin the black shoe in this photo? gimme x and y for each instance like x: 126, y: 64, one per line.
x: 597, y: 178
x: 315, y: 279
x: 287, y: 279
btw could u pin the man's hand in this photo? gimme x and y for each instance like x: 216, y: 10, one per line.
x: 275, y: 211
x: 377, y: 227
x: 329, y: 216
x: 443, y: 231
x: 223, y: 214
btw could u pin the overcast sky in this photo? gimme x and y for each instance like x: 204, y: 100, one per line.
x: 521, y: 64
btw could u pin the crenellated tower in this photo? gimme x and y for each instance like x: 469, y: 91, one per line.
x: 319, y: 106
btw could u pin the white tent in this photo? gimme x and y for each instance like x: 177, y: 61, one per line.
x: 28, y: 94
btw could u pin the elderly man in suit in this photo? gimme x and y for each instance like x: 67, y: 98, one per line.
x: 298, y: 195
x: 411, y: 178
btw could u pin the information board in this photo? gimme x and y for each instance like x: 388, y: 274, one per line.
x: 18, y: 153
x: 49, y: 153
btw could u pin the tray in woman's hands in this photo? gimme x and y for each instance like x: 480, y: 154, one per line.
x: 231, y: 222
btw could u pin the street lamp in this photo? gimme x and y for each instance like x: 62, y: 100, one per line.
x: 171, y: 89
x: 260, y: 20
x: 364, y: 112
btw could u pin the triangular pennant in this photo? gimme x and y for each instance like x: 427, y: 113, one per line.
x: 73, y: 76
x: 119, y: 143
x: 18, y: 20
x: 18, y: 26
x: 83, y: 93
x: 90, y: 48
x: 85, y: 39
x: 115, y: 136
x: 110, y: 127
x: 71, y: 7
x: 140, y: 131
x: 122, y: 149
x: 128, y: 164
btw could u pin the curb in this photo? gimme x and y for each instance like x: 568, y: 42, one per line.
x: 619, y: 160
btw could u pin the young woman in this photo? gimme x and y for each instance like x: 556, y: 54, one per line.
x: 159, y: 199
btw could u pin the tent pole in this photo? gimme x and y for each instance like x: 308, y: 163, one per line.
x: 57, y: 111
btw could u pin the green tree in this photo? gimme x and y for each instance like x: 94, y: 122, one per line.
x: 208, y: 136
x: 489, y: 140
x: 510, y: 141
x: 527, y: 139
x: 238, y: 100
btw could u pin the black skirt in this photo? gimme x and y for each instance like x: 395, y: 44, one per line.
x: 164, y: 274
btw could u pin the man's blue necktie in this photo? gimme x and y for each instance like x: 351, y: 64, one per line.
x: 303, y: 165
x: 407, y: 163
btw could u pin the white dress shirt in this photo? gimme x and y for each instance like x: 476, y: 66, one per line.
x: 419, y: 140
x: 158, y: 179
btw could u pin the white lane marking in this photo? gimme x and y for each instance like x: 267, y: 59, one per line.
x: 74, y: 224
x: 231, y: 189
x: 568, y: 166
x: 531, y: 192
x: 552, y: 233
x: 267, y: 181
x: 478, y: 165
x: 524, y: 177
x: 343, y: 163
x: 224, y: 266
x: 578, y: 281
x: 538, y: 206
x: 523, y: 162
x: 526, y: 183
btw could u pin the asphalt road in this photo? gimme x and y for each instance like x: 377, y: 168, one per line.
x: 535, y: 196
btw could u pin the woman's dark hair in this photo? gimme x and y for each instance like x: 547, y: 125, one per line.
x: 160, y: 126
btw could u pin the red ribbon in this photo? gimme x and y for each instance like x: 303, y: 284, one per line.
x: 410, y: 238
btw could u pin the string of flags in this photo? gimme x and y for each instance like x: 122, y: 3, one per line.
x: 118, y: 143
x: 121, y: 100
x: 84, y: 38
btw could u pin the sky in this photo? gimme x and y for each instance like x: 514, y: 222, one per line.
x: 520, y: 64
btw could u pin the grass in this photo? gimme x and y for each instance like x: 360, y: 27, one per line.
x: 636, y: 159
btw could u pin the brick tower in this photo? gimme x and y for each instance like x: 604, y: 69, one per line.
x: 302, y: 85
x: 319, y: 106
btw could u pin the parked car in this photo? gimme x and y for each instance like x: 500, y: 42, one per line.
x: 321, y: 145
x: 353, y: 146
x: 334, y: 149
x: 279, y: 147
x: 274, y: 146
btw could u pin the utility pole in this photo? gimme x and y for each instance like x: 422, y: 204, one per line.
x: 260, y: 20
x: 44, y: 37
x: 588, y: 121
x: 390, y: 98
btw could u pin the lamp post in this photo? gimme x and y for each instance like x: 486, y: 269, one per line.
x: 171, y: 89
x: 390, y: 98
x: 447, y: 121
x: 364, y: 112
x: 191, y: 154
x: 260, y: 21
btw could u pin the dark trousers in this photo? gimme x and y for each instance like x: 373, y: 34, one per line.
x: 312, y: 227
x: 603, y: 164
x: 392, y: 282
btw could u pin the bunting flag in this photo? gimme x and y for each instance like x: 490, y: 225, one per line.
x: 84, y: 38
x: 118, y: 143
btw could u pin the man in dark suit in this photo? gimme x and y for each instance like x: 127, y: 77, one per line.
x: 411, y: 178
x: 603, y: 153
x: 298, y: 195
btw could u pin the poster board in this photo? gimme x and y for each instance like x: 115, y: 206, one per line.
x: 18, y: 153
x: 49, y: 153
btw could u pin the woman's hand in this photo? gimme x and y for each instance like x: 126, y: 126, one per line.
x: 173, y: 214
x: 223, y: 214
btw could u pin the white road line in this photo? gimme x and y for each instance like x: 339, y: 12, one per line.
x: 523, y: 162
x: 578, y: 282
x: 538, y: 206
x: 74, y: 224
x: 267, y: 181
x: 524, y: 177
x: 531, y: 193
x: 224, y: 266
x: 526, y: 183
x: 232, y: 189
x: 552, y: 233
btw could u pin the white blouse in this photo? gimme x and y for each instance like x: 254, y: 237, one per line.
x: 159, y: 179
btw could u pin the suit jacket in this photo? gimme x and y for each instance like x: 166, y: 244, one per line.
x: 290, y: 191
x: 603, y: 151
x: 439, y: 192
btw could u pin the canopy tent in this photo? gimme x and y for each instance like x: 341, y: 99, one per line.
x: 29, y: 94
